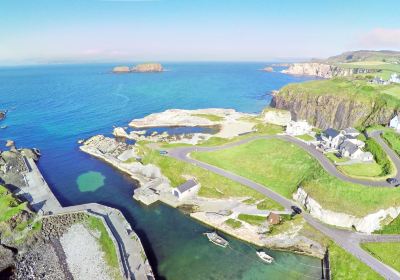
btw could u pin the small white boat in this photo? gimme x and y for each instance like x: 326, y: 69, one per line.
x: 265, y: 257
x: 216, y: 239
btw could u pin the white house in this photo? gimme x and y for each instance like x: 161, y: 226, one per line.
x: 395, y: 78
x: 350, y: 132
x: 395, y: 122
x: 349, y: 149
x: 187, y: 189
x: 332, y: 138
x: 295, y: 128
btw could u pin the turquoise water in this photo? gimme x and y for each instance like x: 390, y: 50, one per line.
x: 52, y: 107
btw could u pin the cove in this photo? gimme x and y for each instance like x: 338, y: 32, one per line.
x: 52, y: 107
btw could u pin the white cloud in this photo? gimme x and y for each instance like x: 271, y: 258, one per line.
x: 381, y: 38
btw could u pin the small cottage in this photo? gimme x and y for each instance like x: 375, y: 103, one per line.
x: 274, y: 219
x: 187, y: 189
x: 395, y: 122
x: 332, y: 138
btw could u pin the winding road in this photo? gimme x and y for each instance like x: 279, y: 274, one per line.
x: 349, y: 241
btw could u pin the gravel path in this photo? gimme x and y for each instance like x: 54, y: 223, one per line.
x: 83, y: 254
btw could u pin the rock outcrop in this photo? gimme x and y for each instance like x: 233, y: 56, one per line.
x: 367, y: 224
x: 276, y: 116
x: 268, y: 69
x: 2, y: 115
x: 121, y: 69
x: 333, y: 110
x: 148, y: 67
x: 323, y: 70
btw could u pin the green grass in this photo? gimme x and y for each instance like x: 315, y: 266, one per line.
x: 106, y: 244
x: 252, y: 219
x: 333, y: 158
x: 269, y: 204
x: 305, y: 137
x: 233, y: 223
x: 387, y: 252
x: 393, y: 140
x: 392, y: 228
x: 283, y: 166
x: 345, y: 266
x: 213, y: 118
x: 9, y: 205
x: 380, y: 157
x: 212, y: 185
x: 361, y: 169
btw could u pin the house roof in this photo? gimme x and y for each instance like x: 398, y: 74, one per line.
x: 351, y: 130
x: 274, y: 219
x: 348, y: 146
x: 187, y: 185
x: 330, y: 132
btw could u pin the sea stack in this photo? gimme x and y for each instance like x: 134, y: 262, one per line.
x: 121, y: 69
x: 148, y: 67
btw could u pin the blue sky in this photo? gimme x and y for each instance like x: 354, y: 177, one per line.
x: 43, y: 31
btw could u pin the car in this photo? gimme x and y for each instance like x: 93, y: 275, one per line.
x: 397, y: 185
x: 296, y: 209
x: 163, y: 152
x: 392, y: 181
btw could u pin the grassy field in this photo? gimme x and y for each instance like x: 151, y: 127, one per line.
x: 368, y: 170
x: 252, y: 219
x: 212, y: 185
x: 233, y: 223
x: 106, y: 244
x: 305, y: 137
x: 348, y: 89
x: 388, y: 252
x: 282, y: 167
x: 345, y: 266
x: 333, y: 158
x: 392, y: 228
x: 213, y: 118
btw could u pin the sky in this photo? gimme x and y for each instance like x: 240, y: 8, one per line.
x: 62, y: 31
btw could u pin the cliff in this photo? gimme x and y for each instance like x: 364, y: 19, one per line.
x: 337, y: 103
x: 323, y: 70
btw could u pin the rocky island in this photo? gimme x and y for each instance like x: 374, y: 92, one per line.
x: 140, y: 68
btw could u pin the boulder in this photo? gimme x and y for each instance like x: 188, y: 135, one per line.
x: 277, y: 117
x: 120, y: 132
x: 2, y: 115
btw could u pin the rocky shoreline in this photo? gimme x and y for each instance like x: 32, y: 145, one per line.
x: 154, y: 186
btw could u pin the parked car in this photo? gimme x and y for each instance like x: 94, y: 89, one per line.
x: 392, y: 181
x: 397, y: 185
x: 296, y: 209
x: 163, y: 152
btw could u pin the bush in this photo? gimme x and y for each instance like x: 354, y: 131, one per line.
x: 380, y: 156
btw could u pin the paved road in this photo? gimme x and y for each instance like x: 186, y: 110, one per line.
x: 322, y: 159
x: 346, y: 239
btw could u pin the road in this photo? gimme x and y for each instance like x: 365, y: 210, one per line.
x: 346, y: 239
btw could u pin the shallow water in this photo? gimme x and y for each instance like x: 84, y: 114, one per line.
x: 52, y: 107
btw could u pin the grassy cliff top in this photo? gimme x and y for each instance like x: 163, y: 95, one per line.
x: 365, y: 55
x: 360, y: 90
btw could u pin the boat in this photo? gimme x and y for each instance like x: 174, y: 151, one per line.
x: 265, y: 257
x: 216, y: 239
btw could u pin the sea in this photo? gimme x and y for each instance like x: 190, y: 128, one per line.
x: 51, y: 107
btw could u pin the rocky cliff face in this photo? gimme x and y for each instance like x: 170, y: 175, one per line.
x: 325, y: 111
x: 323, y: 70
x: 366, y: 224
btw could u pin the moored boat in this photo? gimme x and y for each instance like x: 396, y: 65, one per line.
x: 216, y: 239
x: 265, y: 257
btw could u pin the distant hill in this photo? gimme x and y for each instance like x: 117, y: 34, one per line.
x: 365, y: 55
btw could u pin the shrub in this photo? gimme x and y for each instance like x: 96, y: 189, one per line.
x: 380, y: 156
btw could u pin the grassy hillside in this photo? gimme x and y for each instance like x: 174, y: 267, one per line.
x: 355, y: 89
x: 365, y: 55
x: 282, y: 166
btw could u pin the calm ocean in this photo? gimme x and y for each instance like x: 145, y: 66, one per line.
x: 52, y: 107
